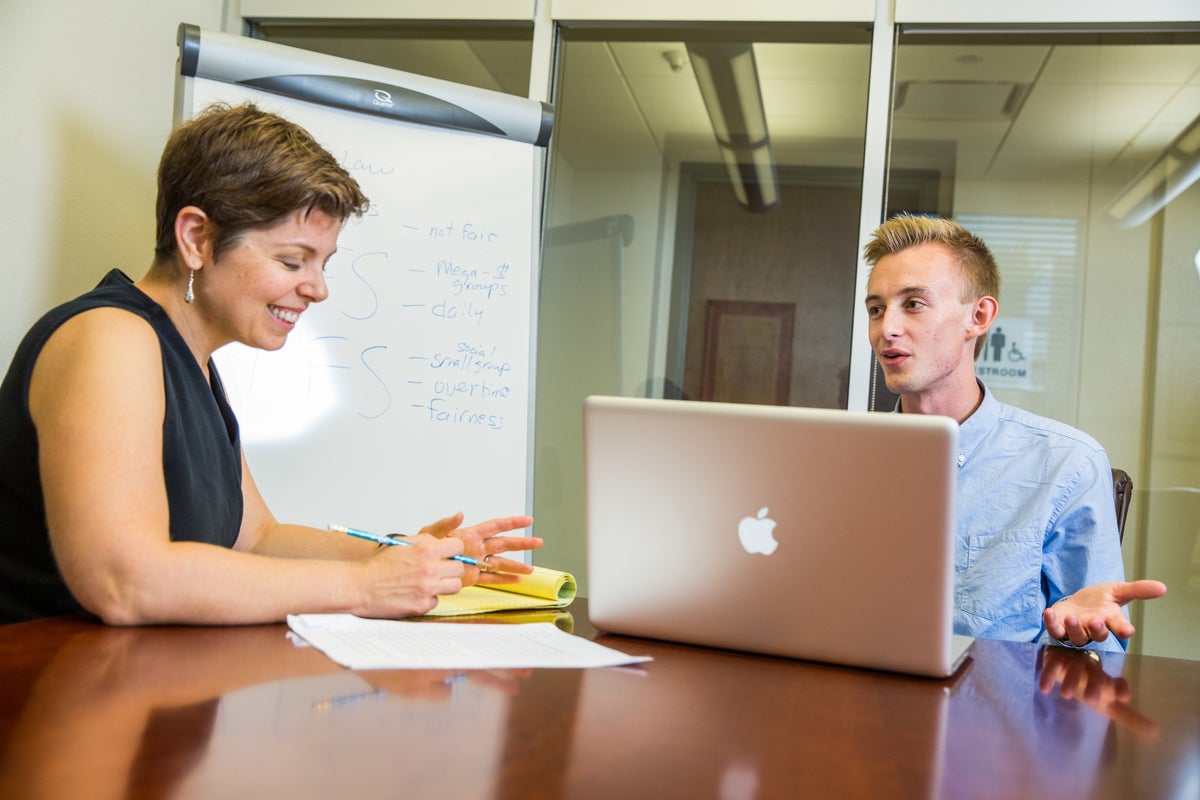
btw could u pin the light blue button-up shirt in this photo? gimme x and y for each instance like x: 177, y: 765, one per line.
x: 1036, y: 521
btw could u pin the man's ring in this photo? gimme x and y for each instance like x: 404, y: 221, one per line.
x: 485, y: 565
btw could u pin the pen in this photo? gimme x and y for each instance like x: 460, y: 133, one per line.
x: 374, y: 537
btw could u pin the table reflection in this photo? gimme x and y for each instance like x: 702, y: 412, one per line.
x: 1054, y: 709
x: 717, y: 724
x: 1035, y: 722
x: 243, y: 712
x: 1081, y: 675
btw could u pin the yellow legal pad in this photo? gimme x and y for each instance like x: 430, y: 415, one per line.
x: 544, y: 588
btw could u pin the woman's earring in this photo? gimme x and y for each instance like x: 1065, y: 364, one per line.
x: 189, y: 295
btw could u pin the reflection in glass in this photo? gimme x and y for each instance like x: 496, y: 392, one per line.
x: 727, y: 76
x: 1168, y: 176
x: 635, y: 140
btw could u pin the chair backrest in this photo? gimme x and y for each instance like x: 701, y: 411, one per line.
x: 1123, y: 492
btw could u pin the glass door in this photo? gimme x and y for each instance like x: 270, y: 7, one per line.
x: 1074, y: 156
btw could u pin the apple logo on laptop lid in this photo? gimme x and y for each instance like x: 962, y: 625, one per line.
x: 757, y: 533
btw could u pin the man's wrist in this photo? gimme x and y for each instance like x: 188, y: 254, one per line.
x: 1068, y: 643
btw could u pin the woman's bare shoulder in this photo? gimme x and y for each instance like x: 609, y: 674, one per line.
x: 107, y: 350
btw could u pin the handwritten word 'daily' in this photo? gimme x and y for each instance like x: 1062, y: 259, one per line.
x: 465, y: 311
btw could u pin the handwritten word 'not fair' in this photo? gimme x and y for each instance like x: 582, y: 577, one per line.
x: 469, y: 232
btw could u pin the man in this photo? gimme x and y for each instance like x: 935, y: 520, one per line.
x: 1038, y: 555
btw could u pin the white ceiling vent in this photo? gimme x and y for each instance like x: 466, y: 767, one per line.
x: 959, y: 100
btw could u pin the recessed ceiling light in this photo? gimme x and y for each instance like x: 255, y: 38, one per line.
x: 959, y: 100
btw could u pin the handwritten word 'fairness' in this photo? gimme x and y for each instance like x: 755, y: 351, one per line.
x: 440, y: 411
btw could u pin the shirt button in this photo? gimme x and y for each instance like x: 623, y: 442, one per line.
x: 961, y: 459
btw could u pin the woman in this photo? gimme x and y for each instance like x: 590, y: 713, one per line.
x: 123, y: 487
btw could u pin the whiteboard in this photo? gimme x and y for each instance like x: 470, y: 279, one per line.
x: 405, y: 396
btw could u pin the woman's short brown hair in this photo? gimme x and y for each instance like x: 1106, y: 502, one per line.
x: 247, y: 168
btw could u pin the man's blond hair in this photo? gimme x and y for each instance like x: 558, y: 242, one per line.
x: 981, y: 277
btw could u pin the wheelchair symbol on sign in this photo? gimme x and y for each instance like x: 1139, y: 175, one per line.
x: 996, y: 342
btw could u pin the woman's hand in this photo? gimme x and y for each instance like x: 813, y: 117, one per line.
x: 483, y: 542
x: 406, y: 581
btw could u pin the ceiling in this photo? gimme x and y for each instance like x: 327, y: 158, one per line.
x: 1019, y: 111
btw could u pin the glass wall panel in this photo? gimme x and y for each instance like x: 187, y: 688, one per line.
x: 701, y: 231
x: 1055, y: 149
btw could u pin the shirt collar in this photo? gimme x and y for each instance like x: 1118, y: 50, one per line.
x: 976, y: 427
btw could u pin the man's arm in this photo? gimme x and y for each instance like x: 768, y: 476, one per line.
x: 1082, y: 564
x: 1083, y: 549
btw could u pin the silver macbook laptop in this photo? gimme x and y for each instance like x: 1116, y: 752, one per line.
x: 806, y: 533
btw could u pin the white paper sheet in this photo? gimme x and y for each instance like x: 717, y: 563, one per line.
x: 360, y: 643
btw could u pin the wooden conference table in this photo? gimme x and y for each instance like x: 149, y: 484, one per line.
x: 93, y: 712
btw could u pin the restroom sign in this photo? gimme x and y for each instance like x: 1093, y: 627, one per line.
x: 1006, y: 358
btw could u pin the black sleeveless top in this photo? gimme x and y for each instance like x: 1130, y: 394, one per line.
x: 201, y: 456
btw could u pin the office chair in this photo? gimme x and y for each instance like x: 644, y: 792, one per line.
x: 1123, y: 492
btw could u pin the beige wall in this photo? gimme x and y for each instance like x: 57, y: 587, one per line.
x: 87, y: 93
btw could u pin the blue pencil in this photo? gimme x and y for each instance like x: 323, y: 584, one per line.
x: 388, y: 540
